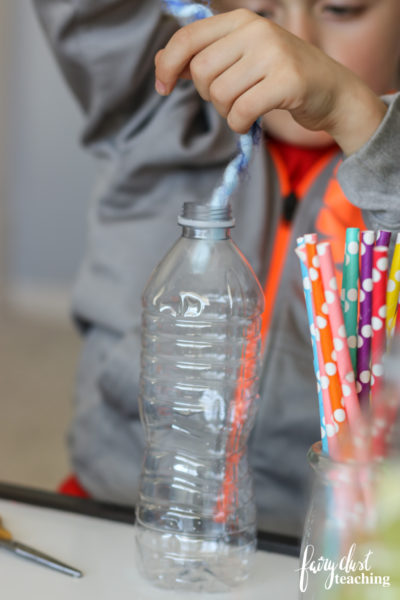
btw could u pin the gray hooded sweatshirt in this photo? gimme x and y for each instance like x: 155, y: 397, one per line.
x: 155, y: 153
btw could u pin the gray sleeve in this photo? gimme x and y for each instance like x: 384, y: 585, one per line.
x: 370, y: 178
x: 106, y: 50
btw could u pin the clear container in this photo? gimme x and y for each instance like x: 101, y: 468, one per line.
x: 201, y: 351
x: 351, y: 542
x: 335, y: 518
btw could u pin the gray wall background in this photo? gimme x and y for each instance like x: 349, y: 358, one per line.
x: 45, y: 178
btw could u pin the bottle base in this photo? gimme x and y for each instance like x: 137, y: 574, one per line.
x: 178, y: 561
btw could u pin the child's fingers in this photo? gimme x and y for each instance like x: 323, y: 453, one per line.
x: 161, y: 87
x: 213, y: 61
x: 233, y: 83
x: 192, y: 39
x: 186, y: 74
x: 258, y: 100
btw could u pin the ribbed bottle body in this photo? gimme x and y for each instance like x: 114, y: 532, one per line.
x: 198, y: 397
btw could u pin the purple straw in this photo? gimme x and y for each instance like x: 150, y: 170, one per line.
x: 364, y: 322
x: 383, y: 238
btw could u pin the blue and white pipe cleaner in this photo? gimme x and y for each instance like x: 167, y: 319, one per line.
x: 189, y: 12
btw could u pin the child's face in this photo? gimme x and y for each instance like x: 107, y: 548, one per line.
x: 363, y: 35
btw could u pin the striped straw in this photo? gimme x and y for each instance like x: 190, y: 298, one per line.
x: 301, y: 253
x: 349, y: 293
x: 364, y: 323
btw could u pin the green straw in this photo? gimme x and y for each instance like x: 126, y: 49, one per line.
x: 349, y: 293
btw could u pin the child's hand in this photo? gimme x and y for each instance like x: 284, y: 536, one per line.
x: 247, y: 66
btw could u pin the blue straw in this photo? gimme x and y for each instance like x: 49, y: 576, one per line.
x: 308, y: 299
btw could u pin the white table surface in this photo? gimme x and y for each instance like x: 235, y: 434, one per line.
x: 105, y: 552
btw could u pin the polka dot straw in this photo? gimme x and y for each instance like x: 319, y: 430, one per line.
x: 301, y: 253
x: 378, y: 343
x: 329, y: 377
x: 349, y: 293
x: 379, y: 404
x: 364, y: 322
x: 345, y: 368
x: 393, y: 287
x: 383, y: 238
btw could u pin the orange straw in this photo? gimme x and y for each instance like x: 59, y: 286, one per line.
x: 240, y: 405
x: 331, y: 378
x: 327, y: 421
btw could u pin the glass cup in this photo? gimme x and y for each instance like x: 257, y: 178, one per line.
x: 351, y: 540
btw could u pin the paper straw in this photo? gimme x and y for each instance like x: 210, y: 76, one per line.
x: 349, y: 293
x: 393, y: 288
x: 378, y: 342
x: 384, y: 414
x: 345, y: 368
x: 328, y: 367
x: 364, y: 323
x: 397, y: 321
x: 379, y: 403
x: 356, y: 421
x: 301, y: 253
x: 386, y: 411
x: 383, y: 238
x: 226, y: 501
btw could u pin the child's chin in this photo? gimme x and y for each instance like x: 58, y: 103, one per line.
x: 280, y: 125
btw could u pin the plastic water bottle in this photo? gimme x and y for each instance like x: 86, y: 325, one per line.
x: 198, y: 394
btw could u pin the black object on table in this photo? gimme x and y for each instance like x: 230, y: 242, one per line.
x: 268, y: 542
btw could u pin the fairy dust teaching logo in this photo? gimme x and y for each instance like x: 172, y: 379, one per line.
x: 346, y: 571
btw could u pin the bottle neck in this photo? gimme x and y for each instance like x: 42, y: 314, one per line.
x: 204, y: 233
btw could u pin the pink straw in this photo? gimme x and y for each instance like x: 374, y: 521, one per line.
x: 345, y: 367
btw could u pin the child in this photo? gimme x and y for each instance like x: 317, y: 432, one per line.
x: 157, y: 151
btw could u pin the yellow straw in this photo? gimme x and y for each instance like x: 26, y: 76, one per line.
x: 393, y: 288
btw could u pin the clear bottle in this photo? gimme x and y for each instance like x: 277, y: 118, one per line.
x: 201, y: 351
